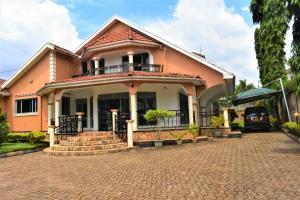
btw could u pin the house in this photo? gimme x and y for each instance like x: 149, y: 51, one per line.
x: 121, y: 66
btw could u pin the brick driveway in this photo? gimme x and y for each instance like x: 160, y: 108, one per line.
x: 259, y: 166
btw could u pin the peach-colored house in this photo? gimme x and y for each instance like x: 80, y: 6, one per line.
x: 121, y: 66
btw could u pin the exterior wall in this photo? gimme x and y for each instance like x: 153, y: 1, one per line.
x: 66, y: 66
x: 26, y: 87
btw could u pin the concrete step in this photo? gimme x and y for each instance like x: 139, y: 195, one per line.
x: 96, y: 133
x: 90, y: 138
x: 89, y: 143
x: 88, y: 148
x: 85, y: 153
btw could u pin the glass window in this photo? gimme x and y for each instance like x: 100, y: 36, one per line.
x: 26, y: 106
x: 65, y: 105
x: 84, y: 68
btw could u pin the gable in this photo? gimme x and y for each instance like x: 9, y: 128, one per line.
x: 117, y: 33
x: 110, y: 23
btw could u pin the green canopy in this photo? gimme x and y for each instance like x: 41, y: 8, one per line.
x: 254, y: 95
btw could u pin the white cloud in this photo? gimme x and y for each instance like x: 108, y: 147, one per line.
x: 27, y: 25
x: 223, y: 35
x: 246, y: 9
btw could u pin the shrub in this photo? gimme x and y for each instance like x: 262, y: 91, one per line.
x: 193, y: 129
x: 216, y: 122
x: 32, y: 137
x: 178, y: 135
x: 292, y: 127
x: 36, y: 137
x: 4, y: 127
x: 156, y: 115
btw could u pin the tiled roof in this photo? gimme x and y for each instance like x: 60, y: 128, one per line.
x: 128, y: 74
x: 1, y: 81
x: 112, y: 37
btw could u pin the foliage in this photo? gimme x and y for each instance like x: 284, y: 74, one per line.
x: 11, y: 147
x: 193, y: 129
x: 243, y: 86
x: 217, y: 121
x: 178, y: 134
x: 291, y: 86
x: 232, y: 115
x: 4, y: 126
x: 32, y: 137
x: 156, y: 115
x: 239, y: 123
x: 294, y: 61
x: 292, y: 127
x: 273, y: 18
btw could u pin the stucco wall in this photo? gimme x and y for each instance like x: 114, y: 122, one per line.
x: 25, y: 87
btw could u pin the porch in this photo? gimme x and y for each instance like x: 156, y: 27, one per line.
x: 132, y: 100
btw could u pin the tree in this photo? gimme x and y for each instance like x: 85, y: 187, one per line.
x: 273, y: 18
x: 294, y: 61
x: 243, y: 86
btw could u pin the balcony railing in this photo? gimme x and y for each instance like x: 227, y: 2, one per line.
x: 123, y: 68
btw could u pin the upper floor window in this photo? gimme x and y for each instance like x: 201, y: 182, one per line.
x: 23, y: 106
x: 84, y: 67
x: 141, y: 58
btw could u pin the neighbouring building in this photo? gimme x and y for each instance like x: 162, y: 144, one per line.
x: 121, y: 66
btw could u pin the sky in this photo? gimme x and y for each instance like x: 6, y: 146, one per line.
x: 220, y: 29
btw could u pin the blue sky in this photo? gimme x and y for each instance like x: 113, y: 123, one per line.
x: 90, y: 14
x: 221, y: 29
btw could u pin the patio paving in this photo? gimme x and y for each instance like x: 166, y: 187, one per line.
x: 259, y: 166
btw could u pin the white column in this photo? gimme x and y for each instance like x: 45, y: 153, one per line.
x: 114, y: 113
x: 130, y: 132
x: 49, y: 113
x: 133, y: 110
x: 79, y: 128
x: 57, y: 111
x: 190, y: 104
x: 52, y: 74
x: 130, y: 59
x: 51, y: 135
x: 226, y: 118
x: 95, y: 100
x: 96, y: 61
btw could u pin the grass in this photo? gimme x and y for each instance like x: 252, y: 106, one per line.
x: 7, y: 147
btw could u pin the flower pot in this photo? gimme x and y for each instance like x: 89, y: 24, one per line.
x: 158, y: 143
x: 179, y: 142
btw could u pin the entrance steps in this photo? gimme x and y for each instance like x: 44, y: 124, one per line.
x: 88, y: 143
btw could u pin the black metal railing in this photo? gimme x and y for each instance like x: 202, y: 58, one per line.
x: 205, y: 117
x: 180, y: 120
x: 121, y: 125
x: 123, y: 68
x: 68, y: 126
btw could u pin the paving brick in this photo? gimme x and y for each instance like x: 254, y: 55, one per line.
x: 258, y: 166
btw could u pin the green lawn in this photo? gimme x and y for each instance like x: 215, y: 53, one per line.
x: 10, y: 147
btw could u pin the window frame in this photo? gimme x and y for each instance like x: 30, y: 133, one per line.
x: 34, y: 107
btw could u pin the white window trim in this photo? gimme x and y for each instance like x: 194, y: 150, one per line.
x: 27, y: 113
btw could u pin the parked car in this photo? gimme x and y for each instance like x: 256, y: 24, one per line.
x: 256, y: 118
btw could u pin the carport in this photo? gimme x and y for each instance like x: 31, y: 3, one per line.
x: 259, y: 94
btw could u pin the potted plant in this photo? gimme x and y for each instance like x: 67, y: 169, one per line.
x: 156, y: 116
x: 216, y: 124
x: 178, y: 136
x: 193, y: 129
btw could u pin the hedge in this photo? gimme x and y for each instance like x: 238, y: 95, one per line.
x: 292, y: 127
x: 32, y: 137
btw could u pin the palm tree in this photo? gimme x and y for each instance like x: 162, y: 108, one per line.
x: 243, y: 86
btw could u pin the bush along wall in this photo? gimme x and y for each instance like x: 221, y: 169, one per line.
x: 32, y: 137
x: 4, y: 127
x: 292, y: 127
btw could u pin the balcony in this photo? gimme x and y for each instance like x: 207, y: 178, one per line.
x: 122, y: 68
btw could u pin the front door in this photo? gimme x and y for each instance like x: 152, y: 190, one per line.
x: 107, y: 102
x: 81, y: 106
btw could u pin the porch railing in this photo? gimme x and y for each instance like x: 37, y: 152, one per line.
x: 180, y: 120
x: 68, y: 126
x: 205, y: 118
x: 121, y: 125
x: 123, y: 68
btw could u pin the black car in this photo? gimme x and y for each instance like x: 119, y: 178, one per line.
x: 256, y: 118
